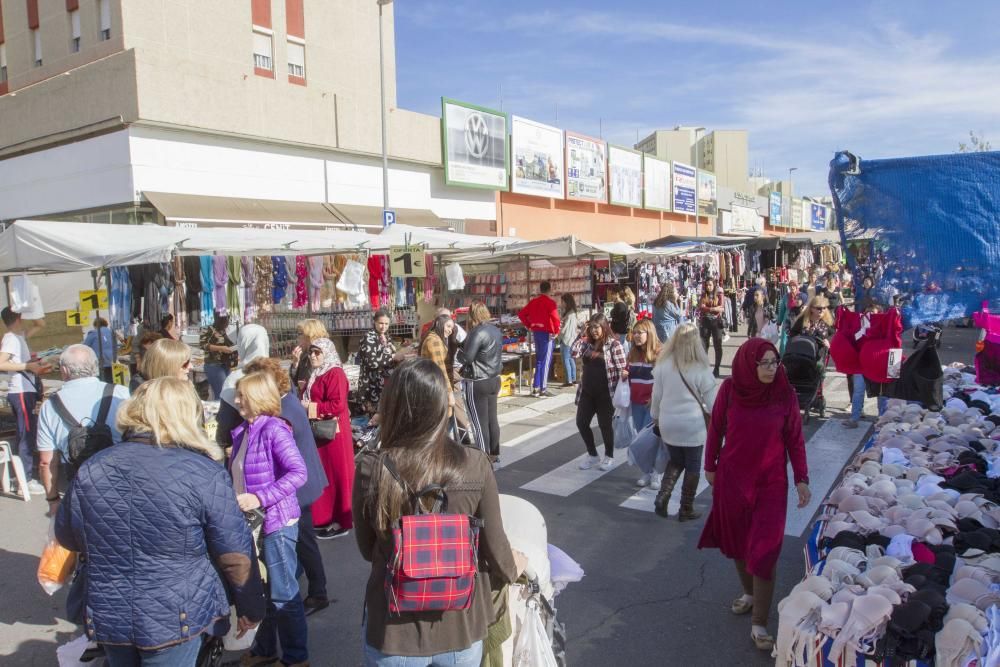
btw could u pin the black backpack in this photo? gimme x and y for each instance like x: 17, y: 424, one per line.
x: 85, y: 441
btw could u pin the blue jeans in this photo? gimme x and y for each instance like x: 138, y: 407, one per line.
x: 470, y: 657
x: 543, y: 360
x: 640, y: 416
x: 180, y: 655
x: 569, y: 363
x: 216, y: 375
x: 858, y: 399
x: 286, y: 617
x: 23, y: 407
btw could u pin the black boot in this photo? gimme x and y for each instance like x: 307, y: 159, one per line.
x: 670, y: 477
x: 689, y: 487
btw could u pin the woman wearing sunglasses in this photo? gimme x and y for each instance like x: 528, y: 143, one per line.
x: 816, y: 320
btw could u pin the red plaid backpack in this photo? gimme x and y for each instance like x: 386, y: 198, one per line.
x: 435, y: 555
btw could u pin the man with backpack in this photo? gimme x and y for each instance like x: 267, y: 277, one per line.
x: 77, y: 421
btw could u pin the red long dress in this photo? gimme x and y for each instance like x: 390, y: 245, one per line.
x: 750, y: 493
x: 329, y: 392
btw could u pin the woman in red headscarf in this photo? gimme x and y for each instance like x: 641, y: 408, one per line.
x: 757, y: 414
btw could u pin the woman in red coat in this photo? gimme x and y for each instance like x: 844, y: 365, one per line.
x: 757, y: 413
x: 325, y: 397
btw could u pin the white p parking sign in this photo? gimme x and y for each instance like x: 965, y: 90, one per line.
x: 388, y: 218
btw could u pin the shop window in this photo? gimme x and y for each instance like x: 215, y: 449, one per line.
x: 263, y: 55
x: 297, y: 59
x: 105, y: 7
x: 74, y: 31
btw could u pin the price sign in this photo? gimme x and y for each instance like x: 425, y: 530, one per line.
x: 74, y: 318
x: 406, y: 263
x: 93, y: 300
x: 120, y: 374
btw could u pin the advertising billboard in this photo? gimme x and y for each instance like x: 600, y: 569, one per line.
x: 684, y: 188
x: 797, y: 214
x: 474, y: 143
x: 818, y: 217
x: 776, y: 209
x: 586, y: 168
x: 538, y: 159
x: 625, y: 171
x: 741, y: 221
x: 708, y: 193
x: 656, y: 175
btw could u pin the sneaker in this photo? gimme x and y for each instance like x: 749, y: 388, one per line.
x: 534, y: 392
x: 654, y: 482
x: 589, y: 462
x: 545, y: 393
x: 725, y: 338
x: 332, y: 533
x: 607, y: 463
x: 35, y: 488
x: 643, y: 481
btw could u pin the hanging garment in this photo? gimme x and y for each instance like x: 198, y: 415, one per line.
x: 220, y: 278
x: 293, y: 280
x: 178, y: 307
x: 330, y: 275
x: 263, y: 284
x: 279, y: 279
x: 316, y: 280
x: 121, y: 298
x: 430, y: 283
x: 192, y: 289
x: 207, y: 290
x: 378, y: 281
x: 301, y: 282
x: 249, y: 282
x: 233, y: 288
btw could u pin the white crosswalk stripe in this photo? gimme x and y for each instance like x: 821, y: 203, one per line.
x: 568, y: 478
x: 539, y: 408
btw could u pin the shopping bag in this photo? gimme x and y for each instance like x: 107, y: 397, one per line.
x: 453, y: 274
x: 230, y: 642
x: 643, y: 450
x: 56, y: 564
x: 770, y: 332
x: 623, y: 396
x: 69, y: 654
x: 623, y: 428
x: 533, y: 648
x: 352, y: 278
x: 564, y: 570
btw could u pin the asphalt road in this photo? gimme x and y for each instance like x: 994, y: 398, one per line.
x: 649, y: 597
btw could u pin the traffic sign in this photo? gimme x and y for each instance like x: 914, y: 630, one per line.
x: 388, y: 218
x: 93, y: 300
x: 406, y: 263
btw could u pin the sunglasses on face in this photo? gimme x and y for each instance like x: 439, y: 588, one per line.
x: 821, y: 308
x: 764, y: 363
x: 316, y: 353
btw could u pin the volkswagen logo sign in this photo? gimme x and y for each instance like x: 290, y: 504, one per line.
x: 477, y: 135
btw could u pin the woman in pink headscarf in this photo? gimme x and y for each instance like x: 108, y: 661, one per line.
x: 757, y: 414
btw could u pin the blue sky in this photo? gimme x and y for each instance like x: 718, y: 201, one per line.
x: 806, y: 79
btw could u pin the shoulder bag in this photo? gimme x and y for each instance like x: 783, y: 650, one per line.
x: 324, y: 430
x: 706, y: 415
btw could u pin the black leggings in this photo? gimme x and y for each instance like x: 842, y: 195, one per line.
x: 712, y: 329
x: 599, y: 405
x: 688, y: 458
x: 481, y: 402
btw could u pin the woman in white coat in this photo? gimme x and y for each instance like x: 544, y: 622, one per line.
x: 683, y: 395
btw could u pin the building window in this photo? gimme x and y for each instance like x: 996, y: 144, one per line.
x: 74, y: 31
x: 105, y: 6
x: 36, y: 38
x: 263, y: 57
x: 3, y: 63
x: 297, y: 59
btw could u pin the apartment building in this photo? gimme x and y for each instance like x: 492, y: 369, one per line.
x: 241, y: 112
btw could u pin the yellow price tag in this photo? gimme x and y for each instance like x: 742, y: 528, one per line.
x: 406, y: 263
x: 74, y: 318
x: 93, y: 300
x: 120, y: 374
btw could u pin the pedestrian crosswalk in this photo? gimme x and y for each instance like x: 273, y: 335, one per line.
x: 551, y: 451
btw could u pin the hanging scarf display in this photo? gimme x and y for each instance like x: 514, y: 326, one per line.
x: 249, y: 307
x: 234, y: 271
x: 378, y: 281
x: 330, y: 274
x: 263, y: 283
x: 220, y: 273
x: 301, y: 282
x: 315, y: 270
x: 279, y: 279
x: 207, y: 289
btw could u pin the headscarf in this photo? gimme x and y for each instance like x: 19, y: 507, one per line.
x: 253, y: 344
x: 330, y: 361
x: 748, y: 390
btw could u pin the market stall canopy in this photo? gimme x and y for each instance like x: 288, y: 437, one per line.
x: 439, y: 240
x: 219, y: 241
x: 566, y: 247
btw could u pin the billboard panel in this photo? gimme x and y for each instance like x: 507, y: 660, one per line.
x: 797, y: 214
x: 775, y: 213
x: 708, y: 193
x: 656, y: 176
x: 474, y: 145
x: 625, y: 170
x: 538, y: 158
x: 818, y: 217
x: 586, y: 168
x: 684, y: 188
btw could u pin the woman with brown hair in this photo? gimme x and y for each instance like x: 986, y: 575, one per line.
x: 710, y: 309
x: 604, y: 365
x: 483, y: 350
x: 437, y: 345
x: 415, y: 444
x: 667, y: 312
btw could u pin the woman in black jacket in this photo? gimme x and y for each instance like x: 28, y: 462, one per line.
x: 483, y: 350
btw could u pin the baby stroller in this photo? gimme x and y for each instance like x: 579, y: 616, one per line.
x: 805, y: 361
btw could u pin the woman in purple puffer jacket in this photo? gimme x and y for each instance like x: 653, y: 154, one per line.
x: 267, y: 469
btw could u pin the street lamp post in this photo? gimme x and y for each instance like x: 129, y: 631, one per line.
x: 381, y: 80
x: 697, y: 182
x: 791, y: 195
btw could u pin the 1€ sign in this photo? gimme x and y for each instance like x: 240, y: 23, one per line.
x: 93, y: 300
x: 406, y: 263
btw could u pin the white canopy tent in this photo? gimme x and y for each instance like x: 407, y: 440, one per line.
x: 567, y: 247
x: 436, y: 240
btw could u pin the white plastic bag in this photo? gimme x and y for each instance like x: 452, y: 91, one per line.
x: 69, y: 653
x: 770, y: 332
x: 230, y: 642
x: 623, y: 396
x: 565, y: 570
x: 453, y: 274
x: 533, y: 647
x: 623, y: 428
x: 20, y: 294
x: 352, y: 280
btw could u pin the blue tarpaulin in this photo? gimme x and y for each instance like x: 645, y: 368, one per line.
x: 939, y: 220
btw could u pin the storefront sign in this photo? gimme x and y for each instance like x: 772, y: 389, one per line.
x: 818, y: 217
x: 625, y: 169
x: 656, y: 181
x: 776, y: 209
x: 708, y: 193
x: 741, y: 221
x: 586, y: 168
x: 684, y: 188
x: 406, y: 263
x: 538, y: 159
x: 474, y: 145
x: 797, y: 214
x: 745, y: 199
